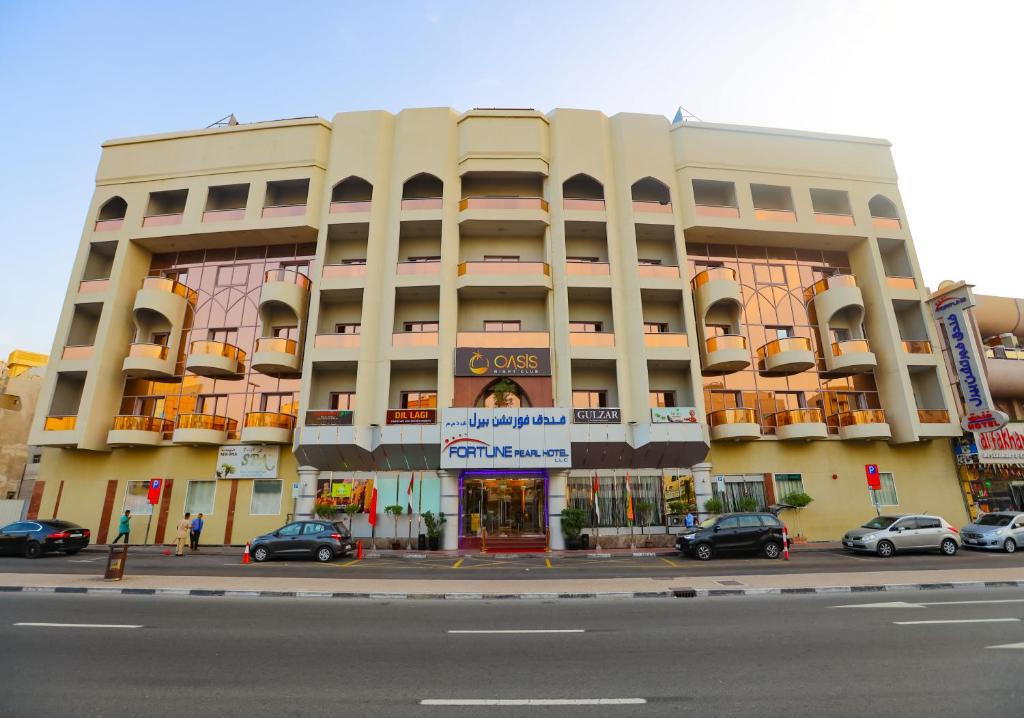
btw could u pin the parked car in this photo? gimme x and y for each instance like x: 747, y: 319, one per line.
x: 323, y: 540
x: 733, y: 533
x: 885, y: 535
x: 998, y: 531
x: 33, y: 538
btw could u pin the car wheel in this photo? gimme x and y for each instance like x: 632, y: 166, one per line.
x: 948, y: 547
x: 703, y: 551
x: 324, y: 554
x: 885, y: 549
x: 772, y: 550
x: 1009, y: 545
x: 260, y: 553
x: 33, y: 550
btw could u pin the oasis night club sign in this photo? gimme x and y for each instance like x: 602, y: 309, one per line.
x: 502, y: 362
x: 505, y: 438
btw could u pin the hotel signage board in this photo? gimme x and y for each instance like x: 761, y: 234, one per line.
x: 412, y: 416
x: 674, y: 415
x: 243, y: 461
x: 505, y: 439
x: 329, y: 418
x: 482, y: 361
x: 597, y: 416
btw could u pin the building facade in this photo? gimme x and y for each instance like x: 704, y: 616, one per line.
x: 493, y: 315
x: 21, y: 378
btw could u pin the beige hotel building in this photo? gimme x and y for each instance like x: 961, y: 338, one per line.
x: 497, y: 310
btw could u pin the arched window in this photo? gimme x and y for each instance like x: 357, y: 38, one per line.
x: 352, y: 189
x: 651, y: 190
x: 883, y: 208
x: 113, y: 208
x: 423, y: 186
x: 582, y: 186
x: 502, y: 393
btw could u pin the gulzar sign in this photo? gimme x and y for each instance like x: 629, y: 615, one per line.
x: 505, y: 438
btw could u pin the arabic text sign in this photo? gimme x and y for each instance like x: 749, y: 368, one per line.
x: 1005, y: 446
x: 505, y: 438
x: 247, y: 462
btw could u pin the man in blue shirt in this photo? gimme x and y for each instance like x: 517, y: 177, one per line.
x: 689, y: 520
x: 195, y: 530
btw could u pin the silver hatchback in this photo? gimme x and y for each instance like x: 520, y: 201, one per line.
x: 997, y: 531
x: 887, y: 534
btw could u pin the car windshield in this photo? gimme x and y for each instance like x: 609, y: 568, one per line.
x: 880, y: 522
x: 708, y: 523
x: 993, y: 520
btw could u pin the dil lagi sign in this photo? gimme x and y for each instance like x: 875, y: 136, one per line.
x: 505, y: 438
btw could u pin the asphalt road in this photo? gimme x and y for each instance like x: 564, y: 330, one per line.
x: 524, y: 566
x: 787, y: 656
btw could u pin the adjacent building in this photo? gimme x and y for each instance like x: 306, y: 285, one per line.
x: 21, y: 378
x: 493, y: 315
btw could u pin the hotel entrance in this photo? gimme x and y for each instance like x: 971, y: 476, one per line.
x: 503, y: 511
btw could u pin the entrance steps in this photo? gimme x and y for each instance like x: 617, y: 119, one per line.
x: 525, y: 543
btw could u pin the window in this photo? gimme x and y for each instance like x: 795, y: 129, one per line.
x: 266, y: 497
x: 927, y: 522
x: 502, y: 325
x: 589, y: 399
x: 285, y: 332
x: 500, y: 258
x: 233, y: 275
x: 773, y: 333
x: 905, y: 524
x: 290, y: 530
x: 585, y: 260
x: 749, y: 522
x: 215, y: 404
x: 360, y: 261
x: 347, y: 328
x: 786, y: 484
x: 841, y: 335
x: 786, y: 400
x: 199, y: 497
x: 279, y: 402
x: 718, y: 399
x: 655, y: 327
x: 420, y: 326
x: 717, y: 330
x: 648, y: 261
x: 419, y: 399
x: 225, y: 335
x: 430, y: 258
x: 135, y: 498
x: 160, y: 338
x: 591, y: 327
x: 770, y: 521
x: 342, y: 400
x: 313, y: 529
x: 732, y: 522
x: 887, y: 494
x: 660, y: 399
x: 147, y: 406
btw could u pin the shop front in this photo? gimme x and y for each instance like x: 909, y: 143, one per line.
x: 991, y: 469
x: 507, y: 508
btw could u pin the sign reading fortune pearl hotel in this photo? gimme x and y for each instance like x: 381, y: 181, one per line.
x: 505, y: 438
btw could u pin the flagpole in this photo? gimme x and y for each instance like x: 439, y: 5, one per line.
x: 629, y: 510
x: 419, y: 508
x: 408, y: 502
x: 597, y: 514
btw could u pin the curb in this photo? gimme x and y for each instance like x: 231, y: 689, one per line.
x: 681, y: 592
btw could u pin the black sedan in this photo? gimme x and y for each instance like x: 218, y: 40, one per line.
x: 322, y: 540
x: 33, y: 538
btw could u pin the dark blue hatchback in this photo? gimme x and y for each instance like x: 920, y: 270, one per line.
x: 33, y: 538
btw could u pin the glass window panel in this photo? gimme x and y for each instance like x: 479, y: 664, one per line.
x: 135, y: 498
x: 887, y: 495
x: 199, y: 497
x: 266, y: 497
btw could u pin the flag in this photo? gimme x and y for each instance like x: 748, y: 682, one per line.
x: 594, y: 497
x: 629, y: 500
x: 373, y: 507
x: 408, y: 495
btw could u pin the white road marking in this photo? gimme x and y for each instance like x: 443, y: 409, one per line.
x: 887, y: 604
x: 905, y: 604
x: 82, y: 560
x: 532, y: 701
x: 959, y: 620
x: 534, y: 630
x: 1008, y: 645
x: 78, y: 625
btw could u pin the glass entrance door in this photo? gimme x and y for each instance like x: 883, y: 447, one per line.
x: 502, y: 506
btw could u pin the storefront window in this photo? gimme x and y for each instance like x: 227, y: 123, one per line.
x: 266, y: 497
x: 199, y: 497
x: 648, y: 499
x: 786, y: 484
x: 135, y: 498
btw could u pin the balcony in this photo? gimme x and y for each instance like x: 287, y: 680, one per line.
x: 646, y: 207
x: 503, y: 340
x: 587, y: 269
x: 419, y: 204
x: 901, y: 283
x: 203, y: 429
x: 853, y: 356
x: 336, y: 341
x: 713, y: 286
x: 935, y: 424
x: 789, y: 355
x: 427, y: 268
x: 803, y: 424
x: 523, y: 278
x: 162, y: 220
x: 148, y: 361
x: 223, y: 215
x: 515, y: 216
x: 886, y: 223
x: 166, y: 297
x: 76, y: 353
x: 93, y: 286
x: 583, y: 205
x: 736, y: 424
x: 534, y: 203
x: 108, y: 225
x: 591, y: 339
x: 267, y: 427
x: 276, y: 356
x: 132, y: 430
x: 666, y: 340
x: 726, y: 353
x: 215, y: 359
x: 344, y: 271
x: 60, y: 431
x: 414, y: 339
x: 351, y: 207
x: 917, y: 346
x: 60, y: 423
x: 285, y: 287
x: 717, y: 211
x: 862, y: 425
x: 658, y: 271
x: 933, y: 416
x: 774, y: 215
x: 841, y: 220
x: 284, y: 210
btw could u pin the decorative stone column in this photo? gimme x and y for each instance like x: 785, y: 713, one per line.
x: 307, y: 492
x: 701, y: 485
x: 450, y: 510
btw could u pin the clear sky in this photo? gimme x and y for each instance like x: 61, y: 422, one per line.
x: 941, y: 80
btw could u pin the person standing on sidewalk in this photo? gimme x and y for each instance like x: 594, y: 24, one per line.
x: 184, y: 526
x: 123, y: 527
x: 195, y: 530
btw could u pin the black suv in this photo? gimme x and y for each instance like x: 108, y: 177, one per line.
x: 748, y: 533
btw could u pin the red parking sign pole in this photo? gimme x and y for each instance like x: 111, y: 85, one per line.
x: 874, y: 484
x: 153, y: 497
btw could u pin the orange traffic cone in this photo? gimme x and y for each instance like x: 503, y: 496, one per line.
x: 245, y: 554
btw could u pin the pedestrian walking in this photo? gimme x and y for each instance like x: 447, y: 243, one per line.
x: 123, y: 527
x: 195, y: 530
x: 689, y: 520
x: 184, y: 526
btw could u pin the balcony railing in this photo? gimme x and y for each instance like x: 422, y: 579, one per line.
x: 417, y: 203
x: 736, y: 415
x: 584, y: 205
x: 351, y: 206
x: 711, y: 273
x: 660, y: 271
x: 587, y: 269
x: 224, y: 215
x: 503, y: 203
x: 715, y: 210
x: 901, y: 282
x: 268, y: 420
x: 725, y: 341
x: 108, y: 225
x: 851, y: 346
x: 90, y: 286
x: 591, y: 339
x: 147, y: 350
x: 80, y: 351
x: 822, y: 285
x: 500, y: 268
x: 154, y: 424
x: 60, y: 423
x: 786, y: 344
x: 414, y: 339
x: 1001, y: 352
x: 856, y: 417
x: 886, y: 223
x: 336, y: 341
x: 666, y: 340
x: 162, y: 220
x: 210, y: 422
x: 788, y: 417
x: 775, y: 215
x: 502, y: 340
x: 280, y: 345
x: 917, y: 346
x: 411, y: 268
x: 284, y: 210
x: 165, y: 284
x: 845, y: 220
x: 652, y: 207
x: 339, y: 271
x: 933, y: 416
x: 213, y: 348
x: 292, y: 276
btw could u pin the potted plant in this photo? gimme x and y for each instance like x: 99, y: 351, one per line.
x: 643, y: 512
x: 351, y: 509
x: 713, y: 506
x: 798, y: 500
x: 395, y: 510
x: 572, y: 526
x: 324, y: 509
x: 435, y: 526
x: 502, y: 391
x: 747, y: 503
